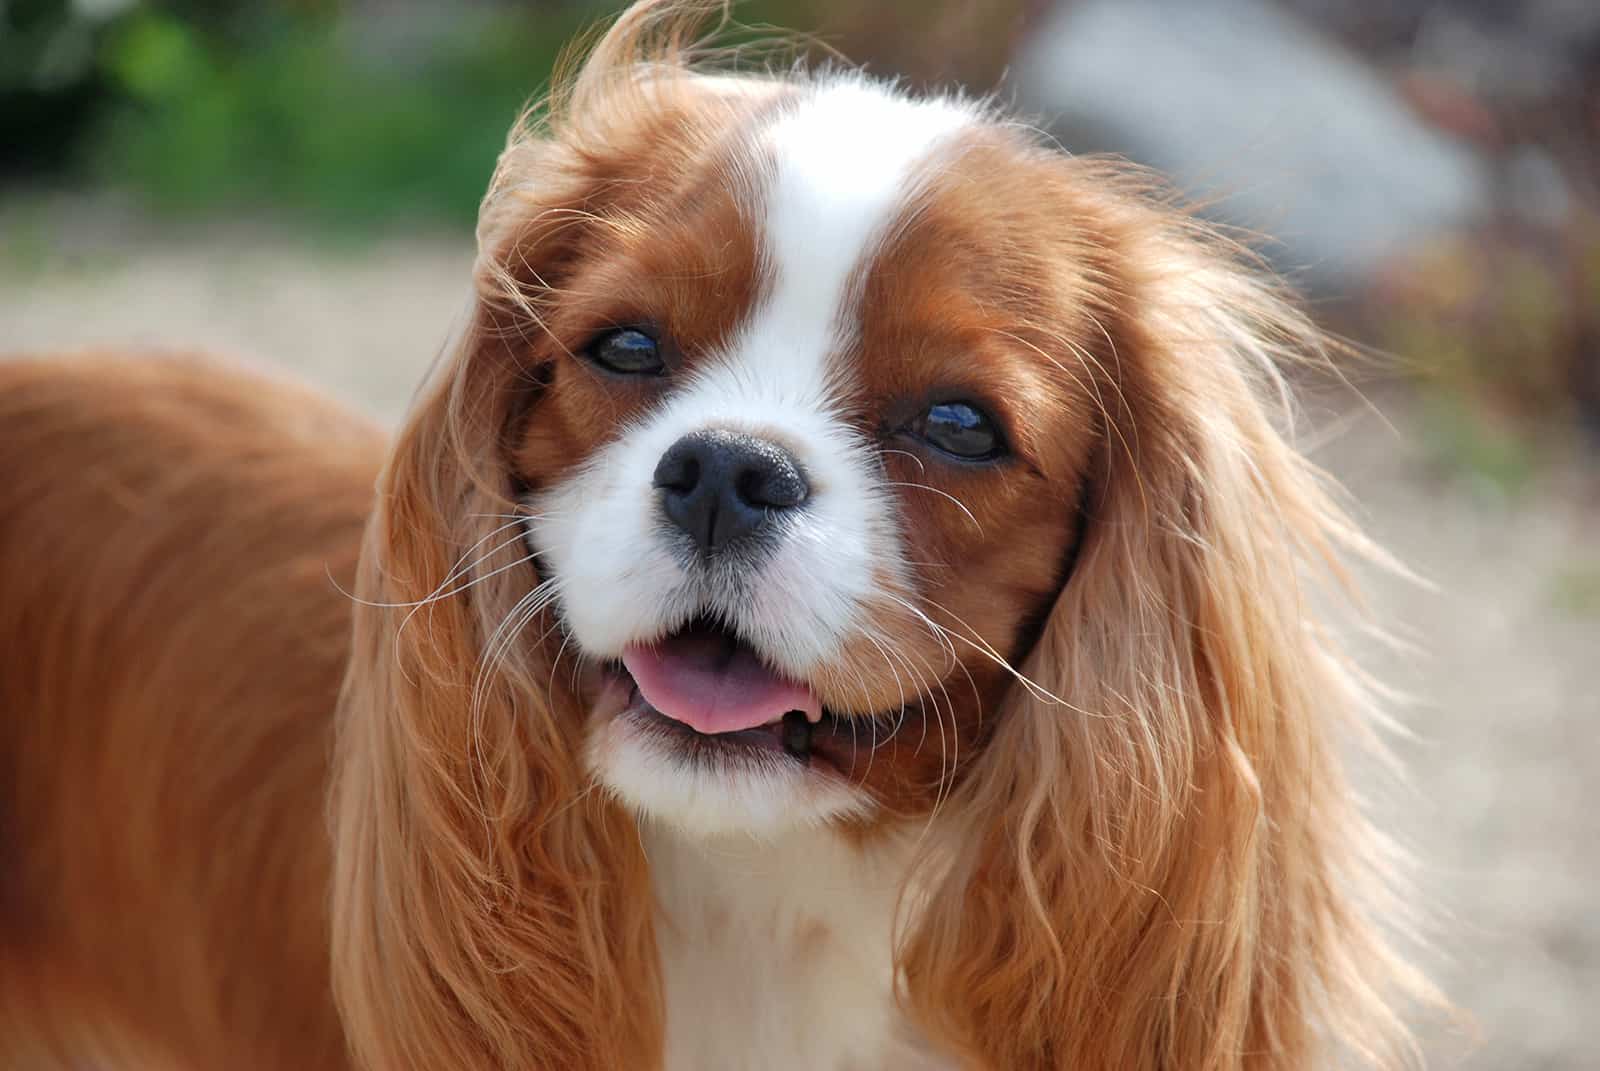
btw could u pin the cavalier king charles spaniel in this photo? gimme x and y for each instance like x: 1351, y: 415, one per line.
x: 845, y: 599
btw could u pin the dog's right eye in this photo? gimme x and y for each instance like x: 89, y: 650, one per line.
x: 627, y: 351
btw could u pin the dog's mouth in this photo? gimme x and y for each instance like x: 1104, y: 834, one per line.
x: 711, y: 694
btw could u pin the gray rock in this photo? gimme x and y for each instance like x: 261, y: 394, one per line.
x: 1246, y: 107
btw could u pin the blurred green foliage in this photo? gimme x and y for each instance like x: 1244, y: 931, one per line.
x: 346, y: 115
x: 204, y: 106
x: 349, y: 123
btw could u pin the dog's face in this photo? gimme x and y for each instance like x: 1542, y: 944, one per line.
x: 806, y: 464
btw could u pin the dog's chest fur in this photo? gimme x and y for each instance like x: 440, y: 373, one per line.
x: 777, y: 954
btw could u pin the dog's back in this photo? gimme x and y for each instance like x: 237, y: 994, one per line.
x: 171, y: 643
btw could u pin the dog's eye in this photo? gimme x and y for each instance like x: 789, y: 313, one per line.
x: 627, y: 351
x: 961, y: 430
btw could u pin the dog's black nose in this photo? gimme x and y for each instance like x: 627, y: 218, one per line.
x: 721, y: 486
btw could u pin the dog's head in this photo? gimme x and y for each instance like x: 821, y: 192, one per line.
x: 818, y: 454
x: 818, y: 369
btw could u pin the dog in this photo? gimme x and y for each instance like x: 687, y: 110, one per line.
x: 846, y: 597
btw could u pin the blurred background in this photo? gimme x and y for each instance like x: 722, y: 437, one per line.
x: 294, y: 182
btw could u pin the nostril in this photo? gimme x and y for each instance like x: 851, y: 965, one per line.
x: 771, y: 486
x: 749, y: 487
x: 684, y: 478
x: 679, y: 471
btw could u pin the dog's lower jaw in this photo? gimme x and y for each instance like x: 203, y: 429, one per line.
x: 777, y: 953
x: 768, y: 796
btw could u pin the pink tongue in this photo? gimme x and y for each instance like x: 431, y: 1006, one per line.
x: 695, y: 678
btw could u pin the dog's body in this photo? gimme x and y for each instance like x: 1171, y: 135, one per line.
x: 166, y: 717
x: 844, y: 599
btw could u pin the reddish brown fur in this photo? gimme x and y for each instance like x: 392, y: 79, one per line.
x: 171, y: 533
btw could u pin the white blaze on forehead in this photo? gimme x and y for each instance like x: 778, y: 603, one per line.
x: 844, y: 162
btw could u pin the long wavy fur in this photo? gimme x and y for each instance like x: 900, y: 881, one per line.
x: 1160, y: 864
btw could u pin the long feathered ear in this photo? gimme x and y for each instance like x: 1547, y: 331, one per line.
x: 488, y: 910
x: 1161, y: 864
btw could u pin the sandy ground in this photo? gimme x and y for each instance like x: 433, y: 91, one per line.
x: 1506, y: 712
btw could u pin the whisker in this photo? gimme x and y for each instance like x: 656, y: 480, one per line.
x: 921, y: 466
x: 944, y: 494
x: 461, y: 567
x: 526, y: 608
x: 899, y: 684
x: 440, y: 596
x: 977, y: 642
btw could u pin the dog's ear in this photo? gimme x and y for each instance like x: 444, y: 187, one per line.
x: 1159, y: 863
x: 490, y: 910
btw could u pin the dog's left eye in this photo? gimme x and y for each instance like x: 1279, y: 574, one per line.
x: 627, y: 351
x: 960, y: 429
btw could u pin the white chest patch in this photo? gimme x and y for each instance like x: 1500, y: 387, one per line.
x: 777, y: 954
